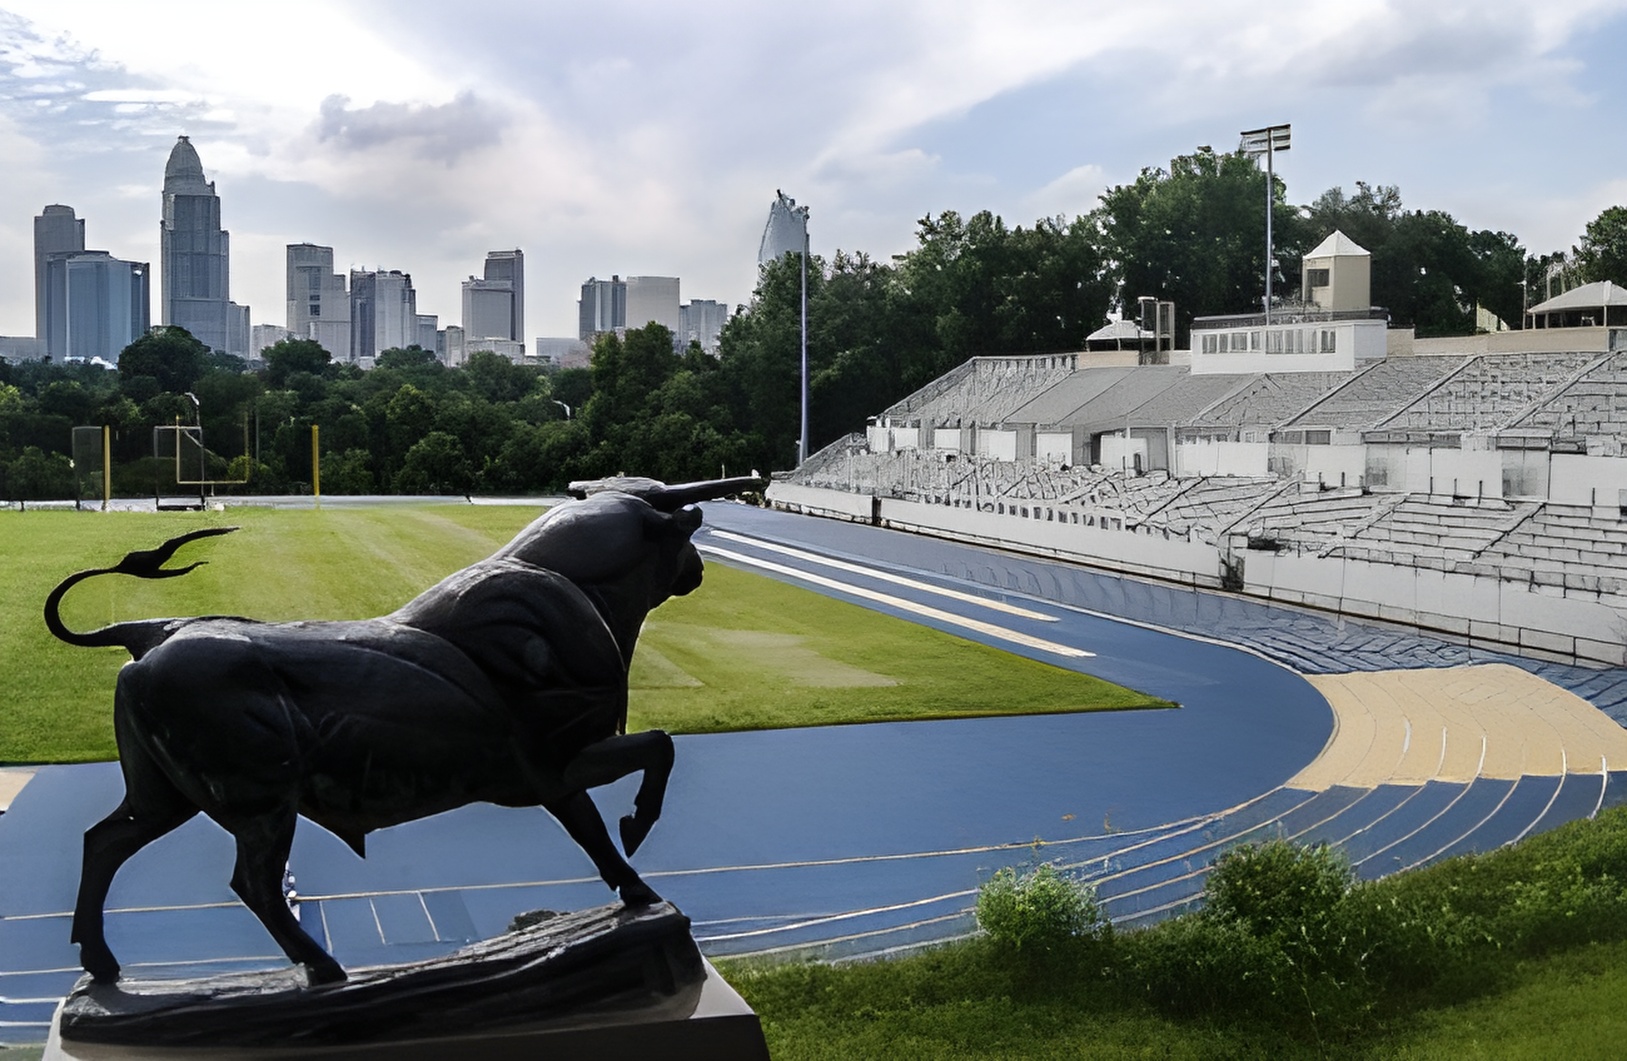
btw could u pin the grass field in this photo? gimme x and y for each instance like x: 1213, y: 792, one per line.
x: 744, y: 652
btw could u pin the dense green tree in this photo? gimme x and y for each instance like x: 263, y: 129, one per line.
x: 1603, y: 254
x: 436, y: 464
x: 170, y: 355
x: 347, y: 471
x: 573, y: 387
x: 289, y: 356
x: 413, y: 356
x: 37, y: 475
x: 1428, y: 270
x: 1195, y: 234
x: 497, y: 379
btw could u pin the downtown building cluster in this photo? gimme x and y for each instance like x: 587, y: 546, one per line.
x: 90, y: 304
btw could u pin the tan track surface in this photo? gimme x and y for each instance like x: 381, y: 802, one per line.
x: 1487, y: 720
x: 12, y: 780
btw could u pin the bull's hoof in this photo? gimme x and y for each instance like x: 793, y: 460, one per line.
x: 328, y: 972
x: 633, y: 831
x: 638, y: 894
x: 99, y: 963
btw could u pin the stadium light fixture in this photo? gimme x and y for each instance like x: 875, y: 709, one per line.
x: 1267, y: 141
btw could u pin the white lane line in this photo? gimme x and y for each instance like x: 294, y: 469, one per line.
x: 885, y: 576
x: 815, y: 922
x: 988, y: 629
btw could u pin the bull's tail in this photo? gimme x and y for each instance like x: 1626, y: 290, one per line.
x: 137, y: 636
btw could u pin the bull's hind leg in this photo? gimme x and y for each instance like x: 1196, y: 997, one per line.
x: 108, y: 845
x: 152, y: 806
x: 263, y: 843
x: 616, y: 757
x: 581, y: 820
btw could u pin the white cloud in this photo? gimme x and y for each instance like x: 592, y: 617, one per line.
x: 1073, y: 193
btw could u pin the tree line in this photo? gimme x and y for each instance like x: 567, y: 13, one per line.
x: 1192, y: 233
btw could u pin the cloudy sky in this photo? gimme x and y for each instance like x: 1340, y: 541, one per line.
x: 645, y: 138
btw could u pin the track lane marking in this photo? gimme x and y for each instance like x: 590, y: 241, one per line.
x: 886, y: 576
x: 925, y: 610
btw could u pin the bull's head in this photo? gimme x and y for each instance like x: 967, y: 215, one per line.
x: 625, y: 542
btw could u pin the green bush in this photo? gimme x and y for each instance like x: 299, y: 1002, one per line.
x: 1271, y: 941
x: 1038, y: 909
x: 1279, y: 889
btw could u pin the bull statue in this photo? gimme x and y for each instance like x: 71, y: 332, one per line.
x: 504, y: 683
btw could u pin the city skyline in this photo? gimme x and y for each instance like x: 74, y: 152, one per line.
x: 409, y: 136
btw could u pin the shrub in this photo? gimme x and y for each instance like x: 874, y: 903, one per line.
x: 1271, y: 941
x: 1040, y: 908
x: 1279, y: 889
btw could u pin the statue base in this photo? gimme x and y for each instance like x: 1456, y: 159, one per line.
x: 600, y: 983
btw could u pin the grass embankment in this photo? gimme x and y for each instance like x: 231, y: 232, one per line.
x: 1518, y: 954
x: 744, y: 652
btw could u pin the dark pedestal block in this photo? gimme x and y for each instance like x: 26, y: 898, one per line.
x: 602, y: 983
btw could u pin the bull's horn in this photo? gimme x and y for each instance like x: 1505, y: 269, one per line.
x: 663, y: 497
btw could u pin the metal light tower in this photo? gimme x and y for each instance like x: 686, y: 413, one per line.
x: 1267, y: 142
x: 801, y: 213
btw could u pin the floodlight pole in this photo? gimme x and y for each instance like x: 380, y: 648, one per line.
x: 802, y: 439
x: 1267, y: 142
x: 203, y: 467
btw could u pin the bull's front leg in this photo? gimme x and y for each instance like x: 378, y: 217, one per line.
x: 614, y: 758
x: 581, y: 820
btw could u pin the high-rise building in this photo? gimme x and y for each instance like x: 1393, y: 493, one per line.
x: 383, y: 312
x: 510, y: 266
x: 562, y: 351
x: 108, y: 304
x: 318, y: 303
x: 786, y: 231
x: 264, y: 335
x: 603, y: 307
x: 451, y: 346
x: 57, y: 234
x: 653, y: 300
x: 703, y: 320
x: 494, y: 304
x: 429, y: 327
x: 196, y: 252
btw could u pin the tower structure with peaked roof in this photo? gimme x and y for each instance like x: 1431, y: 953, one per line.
x: 195, y: 253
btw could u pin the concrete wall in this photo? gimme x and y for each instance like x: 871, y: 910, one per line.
x: 1119, y: 452
x: 1578, y: 479
x: 997, y: 445
x: 1482, y: 611
x: 1343, y: 465
x: 1533, y: 619
x: 1465, y: 472
x: 1054, y: 445
x: 815, y: 501
x: 1197, y: 458
x: 1395, y: 467
x: 1049, y: 530
x: 1531, y: 340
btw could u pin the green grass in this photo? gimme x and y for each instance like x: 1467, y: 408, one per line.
x: 747, y: 652
x: 1571, y: 1005
x: 743, y: 652
x: 970, y: 1000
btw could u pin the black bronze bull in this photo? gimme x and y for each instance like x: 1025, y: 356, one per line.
x: 505, y: 683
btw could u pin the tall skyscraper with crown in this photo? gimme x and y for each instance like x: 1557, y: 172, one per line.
x: 195, y: 253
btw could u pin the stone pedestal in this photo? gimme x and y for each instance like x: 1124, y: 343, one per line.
x: 603, y: 983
